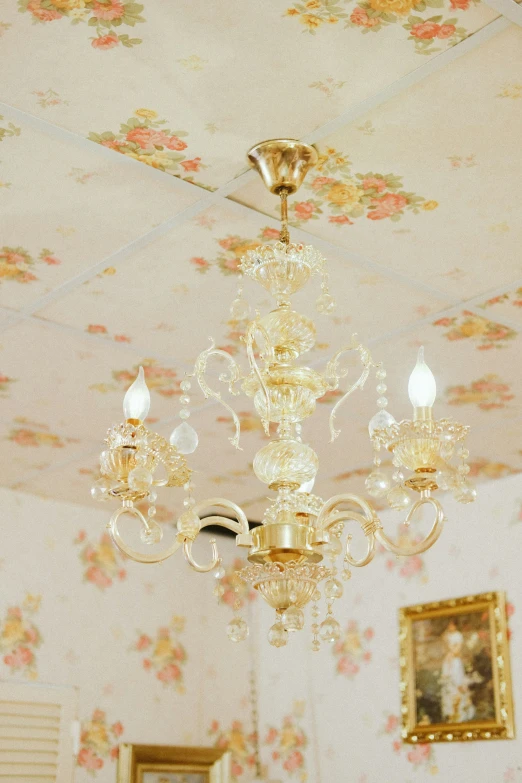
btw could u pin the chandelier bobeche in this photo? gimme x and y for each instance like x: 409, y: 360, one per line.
x: 299, y: 531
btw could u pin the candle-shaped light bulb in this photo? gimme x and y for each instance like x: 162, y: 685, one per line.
x: 136, y: 402
x: 422, y: 388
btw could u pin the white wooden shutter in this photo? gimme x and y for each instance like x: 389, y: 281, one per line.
x: 36, y: 733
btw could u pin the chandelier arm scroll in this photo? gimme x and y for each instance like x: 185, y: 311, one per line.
x: 134, y: 554
x: 427, y: 541
x: 333, y: 375
x: 239, y: 525
x: 250, y: 339
x: 233, y: 377
x: 368, y: 521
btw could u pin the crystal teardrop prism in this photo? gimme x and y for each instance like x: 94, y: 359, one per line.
x: 185, y: 438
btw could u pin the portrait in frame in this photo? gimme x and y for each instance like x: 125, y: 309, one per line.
x: 455, y: 671
x: 169, y: 764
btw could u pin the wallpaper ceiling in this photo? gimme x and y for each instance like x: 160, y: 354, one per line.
x: 125, y: 204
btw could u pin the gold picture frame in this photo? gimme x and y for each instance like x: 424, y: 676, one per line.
x: 455, y: 670
x: 151, y: 763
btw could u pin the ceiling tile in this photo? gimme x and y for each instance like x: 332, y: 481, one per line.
x: 200, y: 74
x: 185, y: 282
x: 427, y: 193
x: 66, y: 209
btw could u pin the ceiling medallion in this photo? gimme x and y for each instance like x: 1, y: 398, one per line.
x: 299, y: 530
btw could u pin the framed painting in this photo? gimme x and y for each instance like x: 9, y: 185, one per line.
x: 167, y: 764
x: 455, y: 673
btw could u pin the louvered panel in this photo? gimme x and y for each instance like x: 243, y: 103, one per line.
x: 8, y: 771
x: 19, y: 743
x: 30, y: 708
x: 35, y: 733
x: 27, y: 731
x: 34, y: 779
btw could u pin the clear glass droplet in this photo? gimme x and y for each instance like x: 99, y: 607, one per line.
x: 140, y: 479
x: 239, y: 309
x: 330, y: 630
x: 325, y: 303
x: 377, y: 484
x: 237, y: 629
x: 465, y: 493
x: 185, y: 438
x: 293, y: 619
x: 278, y: 635
x: 100, y: 489
x: 333, y: 589
x: 381, y: 421
x: 398, y: 498
x: 151, y: 535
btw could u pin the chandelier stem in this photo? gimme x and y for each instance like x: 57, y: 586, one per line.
x: 285, y: 234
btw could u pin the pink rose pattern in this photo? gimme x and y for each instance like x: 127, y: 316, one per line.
x: 469, y: 326
x: 145, y: 138
x: 352, y: 649
x: 288, y: 745
x: 5, y: 382
x: 240, y: 743
x: 375, y: 15
x: 513, y: 298
x: 17, y: 264
x: 164, y: 654
x: 104, y: 17
x: 20, y: 638
x: 232, y: 248
x: 345, y: 196
x: 99, y: 741
x: 103, y: 562
x: 488, y: 393
x: 100, y: 329
x: 422, y: 755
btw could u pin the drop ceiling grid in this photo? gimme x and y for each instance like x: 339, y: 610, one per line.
x: 222, y: 196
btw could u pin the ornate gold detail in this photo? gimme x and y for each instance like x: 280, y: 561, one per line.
x: 502, y: 727
x: 285, y: 584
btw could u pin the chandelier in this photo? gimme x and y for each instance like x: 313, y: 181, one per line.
x: 295, y: 554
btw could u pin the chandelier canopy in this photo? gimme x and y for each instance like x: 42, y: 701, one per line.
x: 293, y: 555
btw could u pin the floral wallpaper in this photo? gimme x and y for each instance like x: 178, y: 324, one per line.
x: 164, y: 653
x: 104, y: 17
x: 429, y: 32
x: 484, y: 334
x: 145, y: 138
x: 346, y: 196
x: 152, y: 662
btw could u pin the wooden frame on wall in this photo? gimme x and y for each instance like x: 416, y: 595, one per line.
x: 455, y: 670
x: 143, y: 763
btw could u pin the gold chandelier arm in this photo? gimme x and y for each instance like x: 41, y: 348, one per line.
x: 430, y: 538
x: 139, y: 557
x: 233, y: 376
x: 187, y: 551
x: 239, y: 526
x: 368, y: 521
x: 250, y: 339
x: 333, y: 375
